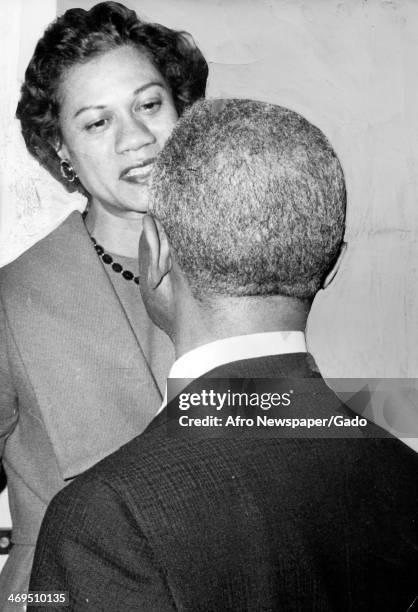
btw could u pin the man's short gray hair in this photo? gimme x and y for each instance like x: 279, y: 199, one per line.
x: 252, y: 197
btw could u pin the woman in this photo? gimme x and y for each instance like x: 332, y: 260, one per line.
x: 82, y: 367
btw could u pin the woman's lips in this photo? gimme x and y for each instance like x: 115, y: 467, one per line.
x: 138, y: 173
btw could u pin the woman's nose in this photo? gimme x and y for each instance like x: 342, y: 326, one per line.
x: 132, y: 135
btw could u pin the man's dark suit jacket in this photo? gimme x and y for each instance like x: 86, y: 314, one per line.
x: 238, y: 524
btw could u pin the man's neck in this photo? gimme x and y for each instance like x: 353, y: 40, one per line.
x: 228, y: 317
x: 116, y: 233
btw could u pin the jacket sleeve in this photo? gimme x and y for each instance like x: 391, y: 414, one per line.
x: 8, y: 396
x: 91, y: 547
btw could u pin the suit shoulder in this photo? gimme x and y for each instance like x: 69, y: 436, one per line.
x: 16, y: 268
x: 139, y: 464
x: 108, y: 484
x: 40, y: 253
x: 24, y: 268
x: 108, y: 473
x: 85, y: 495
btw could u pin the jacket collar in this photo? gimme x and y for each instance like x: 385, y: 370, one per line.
x: 86, y: 367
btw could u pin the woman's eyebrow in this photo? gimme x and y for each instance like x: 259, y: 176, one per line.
x: 135, y: 93
x: 151, y: 84
x: 86, y: 108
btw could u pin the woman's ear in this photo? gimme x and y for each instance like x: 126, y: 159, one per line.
x: 331, y: 275
x: 159, y: 250
x: 61, y: 150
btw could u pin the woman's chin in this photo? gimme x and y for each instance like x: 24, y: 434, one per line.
x: 136, y: 200
x: 129, y: 212
x: 123, y: 210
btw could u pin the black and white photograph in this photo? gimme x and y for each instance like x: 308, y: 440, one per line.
x: 209, y: 305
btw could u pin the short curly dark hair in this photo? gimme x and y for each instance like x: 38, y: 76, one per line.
x: 78, y: 36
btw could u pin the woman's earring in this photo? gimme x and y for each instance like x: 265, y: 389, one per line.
x: 67, y: 171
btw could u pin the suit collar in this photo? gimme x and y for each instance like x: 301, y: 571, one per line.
x: 291, y: 365
x: 207, y: 357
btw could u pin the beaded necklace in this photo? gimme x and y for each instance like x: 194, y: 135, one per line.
x: 116, y: 267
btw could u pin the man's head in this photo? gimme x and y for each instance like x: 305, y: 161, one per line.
x: 252, y: 199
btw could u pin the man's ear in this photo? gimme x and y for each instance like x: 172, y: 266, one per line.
x: 331, y: 275
x: 160, y: 261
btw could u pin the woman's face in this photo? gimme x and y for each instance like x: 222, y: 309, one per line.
x: 116, y: 113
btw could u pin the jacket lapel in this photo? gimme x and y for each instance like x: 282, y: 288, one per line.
x: 86, y: 367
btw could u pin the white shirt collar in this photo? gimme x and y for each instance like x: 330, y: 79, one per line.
x: 205, y: 358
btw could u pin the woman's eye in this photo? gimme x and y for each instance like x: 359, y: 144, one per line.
x: 148, y: 108
x: 97, y: 126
